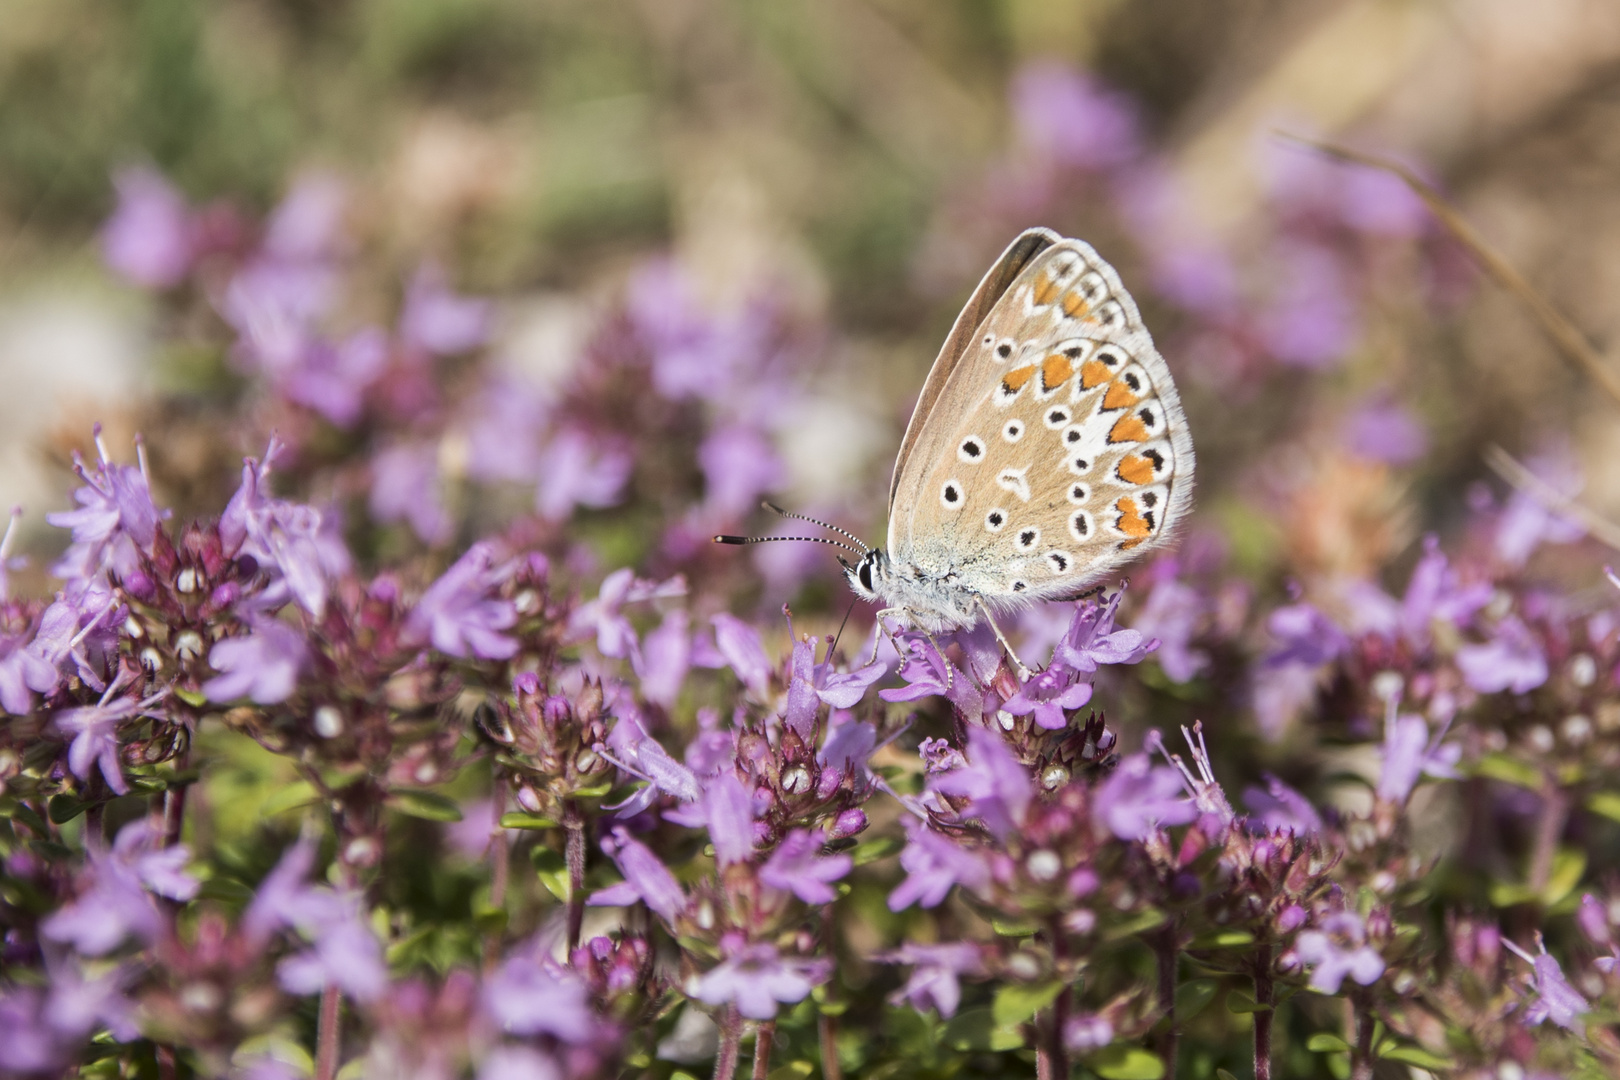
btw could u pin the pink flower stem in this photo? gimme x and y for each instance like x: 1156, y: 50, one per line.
x: 725, y: 1063
x: 574, y: 823
x: 1167, y: 947
x: 1263, y: 999
x: 174, y: 804
x: 764, y: 1038
x: 1051, y: 1056
x: 1361, y: 1054
x: 328, y: 1034
x: 1549, y: 830
x: 827, y: 1029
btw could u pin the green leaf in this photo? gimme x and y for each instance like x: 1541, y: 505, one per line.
x: 64, y: 808
x: 25, y: 814
x: 1325, y: 1042
x: 796, y: 1070
x: 1568, y: 866
x: 490, y: 921
x: 1120, y: 1062
x: 1414, y: 1055
x: 976, y: 1029
x: 1223, y: 939
x: 1239, y: 1002
x: 595, y: 791
x: 290, y: 796
x: 1013, y: 927
x: 1144, y: 921
x: 195, y: 698
x: 1606, y: 803
x: 1506, y: 894
x: 553, y: 871
x: 1222, y: 1074
x: 1509, y: 770
x: 873, y: 850
x: 225, y: 889
x: 1192, y: 997
x: 1017, y: 1002
x: 428, y: 805
x: 517, y: 819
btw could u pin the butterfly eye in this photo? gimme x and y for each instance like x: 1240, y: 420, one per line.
x: 865, y: 574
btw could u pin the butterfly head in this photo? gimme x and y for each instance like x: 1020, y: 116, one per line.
x: 868, y: 574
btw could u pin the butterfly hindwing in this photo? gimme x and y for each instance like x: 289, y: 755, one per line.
x: 1054, y: 447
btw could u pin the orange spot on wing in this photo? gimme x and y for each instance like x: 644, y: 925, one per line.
x: 1055, y: 371
x: 1014, y: 380
x: 1119, y: 396
x: 1135, y: 470
x: 1045, y: 289
x: 1094, y: 373
x: 1128, y: 544
x: 1128, y: 429
x: 1131, y: 522
x: 1074, y: 305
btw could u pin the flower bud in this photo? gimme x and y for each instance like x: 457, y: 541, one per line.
x: 848, y: 823
x: 528, y: 799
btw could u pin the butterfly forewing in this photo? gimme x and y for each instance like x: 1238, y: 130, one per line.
x: 1054, y: 446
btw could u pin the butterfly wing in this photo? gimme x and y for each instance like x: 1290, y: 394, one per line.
x: 1029, y: 244
x: 1054, y: 447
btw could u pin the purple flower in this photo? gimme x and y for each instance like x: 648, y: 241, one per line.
x: 639, y: 754
x: 1311, y: 321
x: 1139, y: 798
x: 739, y: 644
x: 1375, y: 201
x: 405, y: 487
x: 530, y: 994
x: 813, y: 683
x: 1435, y: 592
x: 934, y: 864
x: 645, y: 878
x: 1593, y: 919
x: 332, y: 377
x: 1171, y: 615
x: 1085, y: 1033
x: 848, y: 745
x: 1304, y: 636
x: 692, y: 354
x: 1511, y: 660
x: 116, y: 516
x: 503, y: 426
x: 996, y: 785
x: 1338, y: 949
x: 928, y: 673
x: 118, y: 904
x: 518, y: 1063
x: 614, y: 634
x: 150, y: 238
x: 934, y: 976
x: 797, y: 866
x: 263, y: 666
x: 436, y: 320
x: 298, y: 543
x: 1207, y: 794
x: 95, y: 734
x: 1071, y: 117
x: 456, y: 614
x: 1526, y: 522
x: 728, y: 812
x: 1556, y: 1000
x: 576, y: 470
x: 1278, y: 806
x: 664, y: 659
x: 1408, y: 753
x: 1048, y: 695
x: 754, y: 978
x: 345, y: 954
x: 1383, y: 429
x: 1092, y: 641
x: 739, y: 465
x: 285, y: 898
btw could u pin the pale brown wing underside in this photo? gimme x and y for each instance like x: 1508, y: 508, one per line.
x: 1055, y: 448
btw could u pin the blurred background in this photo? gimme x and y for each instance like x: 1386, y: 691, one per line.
x: 830, y: 177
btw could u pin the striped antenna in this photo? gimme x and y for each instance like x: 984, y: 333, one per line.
x: 725, y: 539
x: 815, y: 521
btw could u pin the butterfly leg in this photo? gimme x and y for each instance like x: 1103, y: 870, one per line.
x: 883, y: 632
x: 1023, y: 672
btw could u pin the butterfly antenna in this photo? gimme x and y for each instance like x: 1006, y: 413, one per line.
x: 725, y: 539
x: 816, y: 521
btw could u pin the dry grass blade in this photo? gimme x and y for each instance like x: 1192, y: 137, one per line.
x: 1570, y: 341
x: 1508, y: 468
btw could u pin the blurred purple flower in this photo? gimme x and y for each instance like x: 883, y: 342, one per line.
x: 1304, y: 635
x: 664, y: 659
x: 1197, y: 277
x: 934, y: 975
x: 299, y: 543
x: 308, y: 222
x: 1311, y: 321
x: 754, y: 978
x: 118, y: 904
x: 95, y: 734
x: 645, y: 878
x: 530, y: 994
x: 1278, y: 806
x: 1047, y: 695
x: 1337, y: 949
x: 1072, y: 117
x: 728, y: 813
x: 332, y: 377
x: 1086, y: 1032
x: 116, y: 517
x: 1385, y: 430
x: 1526, y: 522
x: 518, y: 1063
x: 78, y: 1006
x: 739, y: 465
x: 436, y: 320
x: 1593, y: 919
x: 262, y: 666
x: 405, y: 487
x: 576, y: 470
x: 503, y: 426
x: 996, y: 785
x: 285, y: 897
x: 1408, y: 753
x: 1511, y: 660
x: 1171, y: 615
x: 1436, y: 592
x: 933, y: 864
x: 345, y: 954
x: 1375, y: 201
x: 739, y: 644
x: 1556, y: 1000
x: 456, y: 614
x: 693, y: 354
x: 150, y: 238
x: 797, y: 866
x: 1139, y: 798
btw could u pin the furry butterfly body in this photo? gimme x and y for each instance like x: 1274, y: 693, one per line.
x: 1048, y: 447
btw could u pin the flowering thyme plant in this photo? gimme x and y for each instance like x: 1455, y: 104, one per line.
x: 439, y: 743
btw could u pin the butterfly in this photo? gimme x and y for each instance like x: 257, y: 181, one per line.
x: 1048, y: 447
